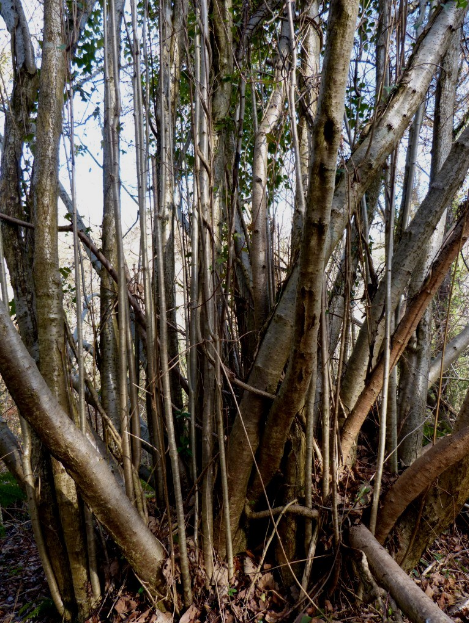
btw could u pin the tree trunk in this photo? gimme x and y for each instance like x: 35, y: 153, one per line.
x: 272, y: 355
x: 47, y: 281
x: 108, y: 289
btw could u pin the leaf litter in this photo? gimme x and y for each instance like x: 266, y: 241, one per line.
x: 443, y: 574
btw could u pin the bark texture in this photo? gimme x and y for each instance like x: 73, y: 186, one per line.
x: 325, y: 144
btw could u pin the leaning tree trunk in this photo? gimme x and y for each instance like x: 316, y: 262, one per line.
x: 435, y: 510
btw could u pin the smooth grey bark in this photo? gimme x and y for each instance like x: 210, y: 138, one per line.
x: 413, y: 380
x: 454, y: 349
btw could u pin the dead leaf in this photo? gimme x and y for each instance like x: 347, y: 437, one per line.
x: 329, y: 606
x: 267, y: 582
x: 190, y: 615
x: 121, y: 605
x: 162, y: 617
x: 220, y: 577
x: 143, y: 617
x: 249, y: 567
x: 429, y: 592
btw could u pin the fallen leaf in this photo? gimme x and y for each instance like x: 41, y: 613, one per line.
x: 143, y: 617
x: 190, y: 615
x: 121, y: 605
x: 249, y: 567
x: 267, y: 582
x: 329, y: 606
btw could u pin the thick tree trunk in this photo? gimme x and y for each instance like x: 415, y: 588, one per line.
x: 326, y: 139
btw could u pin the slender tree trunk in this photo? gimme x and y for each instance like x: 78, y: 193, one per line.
x: 259, y: 238
x: 174, y: 16
x: 454, y: 349
x: 47, y: 282
x: 108, y: 293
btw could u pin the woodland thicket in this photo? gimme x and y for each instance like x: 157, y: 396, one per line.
x: 276, y: 360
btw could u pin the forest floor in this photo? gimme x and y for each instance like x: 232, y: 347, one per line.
x: 443, y: 574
